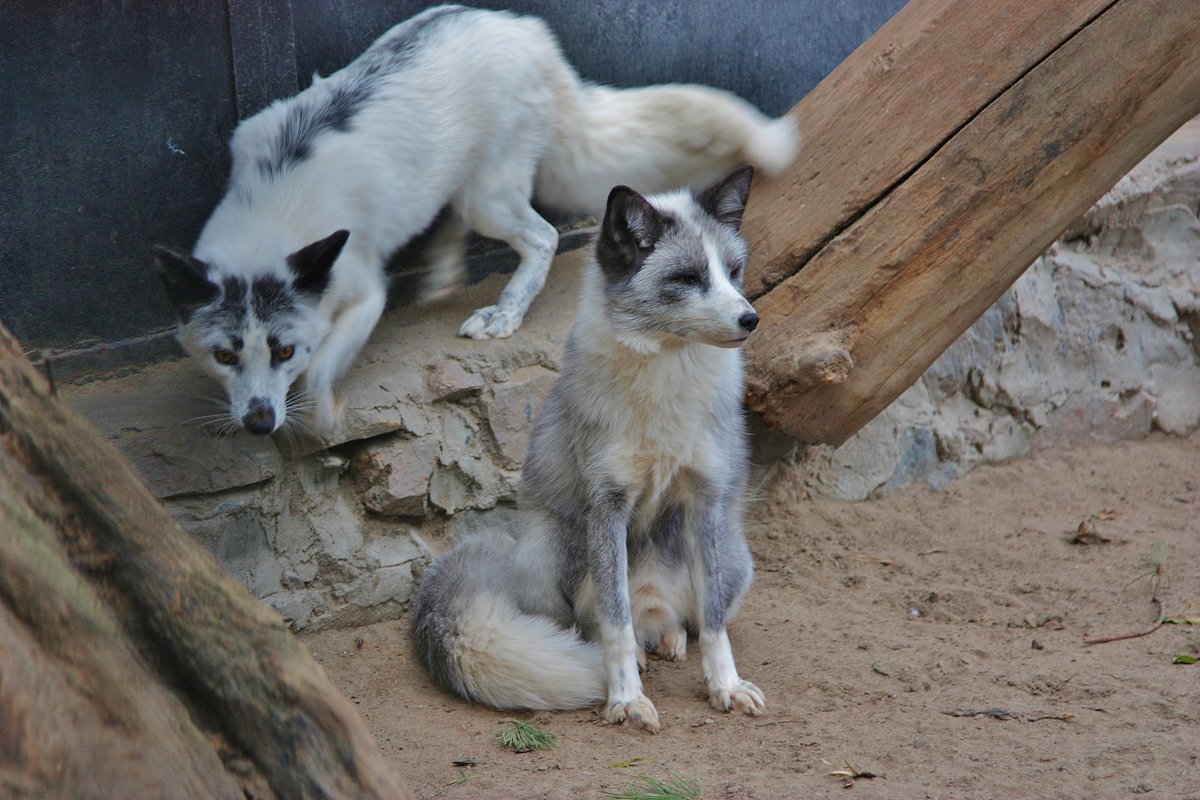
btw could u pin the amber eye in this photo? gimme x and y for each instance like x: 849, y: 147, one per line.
x: 735, y: 273
x: 226, y: 357
x: 284, y: 353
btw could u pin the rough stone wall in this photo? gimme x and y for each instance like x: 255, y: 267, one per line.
x: 431, y: 445
x: 1098, y: 339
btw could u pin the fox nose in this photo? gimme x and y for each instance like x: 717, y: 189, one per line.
x: 260, y: 419
x: 748, y: 321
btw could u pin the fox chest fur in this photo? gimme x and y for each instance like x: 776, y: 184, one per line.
x: 671, y: 415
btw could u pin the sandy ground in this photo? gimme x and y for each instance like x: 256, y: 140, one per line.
x: 867, y: 624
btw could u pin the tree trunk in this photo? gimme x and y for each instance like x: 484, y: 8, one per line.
x: 131, y: 665
x: 939, y: 161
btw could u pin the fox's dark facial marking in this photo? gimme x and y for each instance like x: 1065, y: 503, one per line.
x: 311, y: 265
x: 230, y: 314
x: 630, y: 229
x: 696, y: 277
x: 725, y: 201
x: 186, y: 280
x: 259, y: 418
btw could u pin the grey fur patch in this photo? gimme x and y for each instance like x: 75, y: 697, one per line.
x: 476, y: 564
x: 230, y: 312
x: 269, y: 297
x: 607, y: 553
x: 666, y: 537
x: 307, y: 120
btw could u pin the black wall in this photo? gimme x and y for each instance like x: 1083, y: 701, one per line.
x: 115, y: 117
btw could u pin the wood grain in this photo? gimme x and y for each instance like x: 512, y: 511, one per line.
x: 899, y: 282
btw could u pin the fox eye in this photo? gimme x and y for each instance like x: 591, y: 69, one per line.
x: 686, y: 279
x: 284, y: 353
x: 226, y: 357
x: 735, y: 273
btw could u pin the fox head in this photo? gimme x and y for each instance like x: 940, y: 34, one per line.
x: 673, y: 265
x: 256, y: 335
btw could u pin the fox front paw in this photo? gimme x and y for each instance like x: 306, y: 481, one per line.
x: 640, y: 712
x: 326, y: 414
x: 491, y: 322
x: 744, y: 697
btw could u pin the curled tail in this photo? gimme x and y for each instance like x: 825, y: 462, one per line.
x: 654, y: 139
x: 477, y: 643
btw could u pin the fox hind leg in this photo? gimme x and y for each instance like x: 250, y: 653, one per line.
x: 496, y: 203
x: 535, y: 241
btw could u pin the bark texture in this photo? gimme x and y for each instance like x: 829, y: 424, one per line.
x: 131, y: 664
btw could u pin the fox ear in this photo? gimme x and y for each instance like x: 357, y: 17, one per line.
x: 312, y: 264
x: 186, y: 281
x: 726, y: 200
x: 630, y: 229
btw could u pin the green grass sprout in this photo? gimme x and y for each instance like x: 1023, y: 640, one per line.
x: 521, y: 737
x: 645, y: 787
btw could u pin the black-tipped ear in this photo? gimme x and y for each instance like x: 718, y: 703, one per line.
x: 629, y: 231
x: 726, y: 200
x: 311, y: 264
x: 186, y: 281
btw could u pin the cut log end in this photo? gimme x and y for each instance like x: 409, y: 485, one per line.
x: 822, y: 360
x: 827, y: 365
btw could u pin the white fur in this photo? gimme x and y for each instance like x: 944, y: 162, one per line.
x: 653, y: 420
x: 514, y: 660
x: 725, y: 689
x: 482, y: 113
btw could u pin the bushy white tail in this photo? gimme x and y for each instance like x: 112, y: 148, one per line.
x: 654, y: 139
x: 508, y: 659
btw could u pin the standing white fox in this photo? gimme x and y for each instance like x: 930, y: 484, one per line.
x: 459, y: 110
x: 630, y: 531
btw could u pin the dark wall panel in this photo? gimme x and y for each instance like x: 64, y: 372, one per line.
x: 116, y: 116
x: 114, y: 126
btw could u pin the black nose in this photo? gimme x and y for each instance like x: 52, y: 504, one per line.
x: 748, y: 321
x: 260, y: 419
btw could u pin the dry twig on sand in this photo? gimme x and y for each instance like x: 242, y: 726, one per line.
x: 1002, y: 714
x: 852, y: 773
x: 1162, y: 614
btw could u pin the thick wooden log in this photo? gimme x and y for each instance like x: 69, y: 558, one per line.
x: 940, y: 160
x: 131, y: 665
